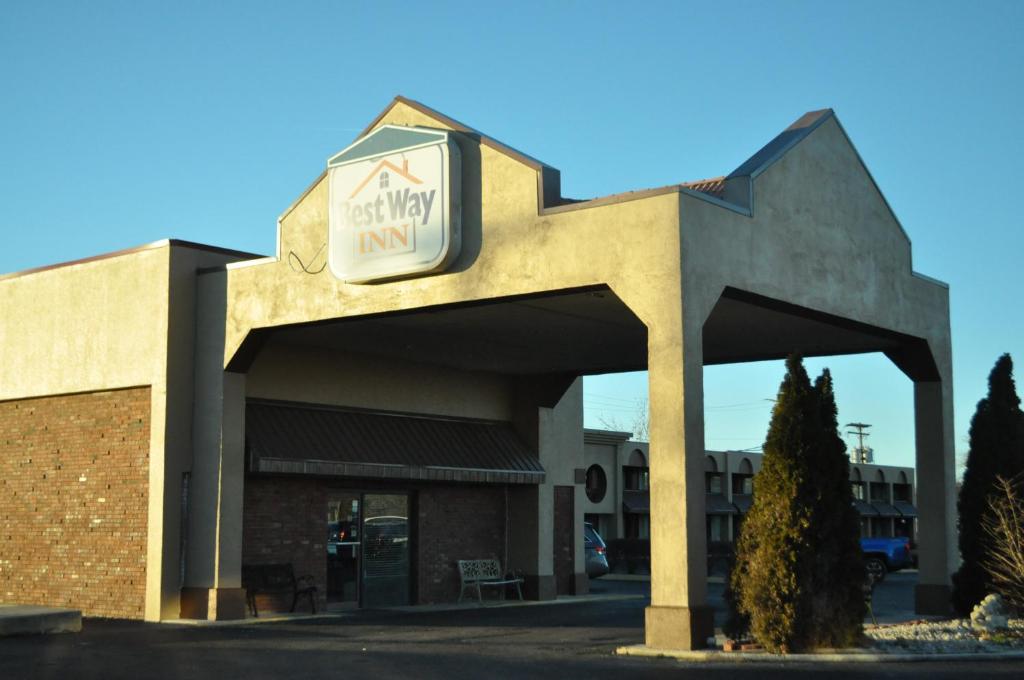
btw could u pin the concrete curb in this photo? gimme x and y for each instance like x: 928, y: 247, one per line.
x: 646, y: 578
x: 852, y: 656
x: 35, y: 620
x: 412, y: 609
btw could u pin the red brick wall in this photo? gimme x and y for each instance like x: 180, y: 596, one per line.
x: 74, y: 483
x: 285, y: 520
x: 457, y: 523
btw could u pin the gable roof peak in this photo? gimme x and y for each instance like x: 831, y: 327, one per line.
x: 783, y: 142
x: 457, y: 126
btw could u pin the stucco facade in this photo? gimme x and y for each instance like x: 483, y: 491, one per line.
x: 796, y: 250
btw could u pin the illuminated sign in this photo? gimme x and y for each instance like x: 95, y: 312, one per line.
x: 394, y: 204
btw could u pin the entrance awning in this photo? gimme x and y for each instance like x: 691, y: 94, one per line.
x: 636, y: 502
x: 290, y: 438
x: 906, y: 508
x: 742, y: 502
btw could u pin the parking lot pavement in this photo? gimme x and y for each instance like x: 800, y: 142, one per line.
x: 893, y: 599
x: 564, y: 641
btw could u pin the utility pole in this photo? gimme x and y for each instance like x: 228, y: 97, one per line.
x: 860, y: 433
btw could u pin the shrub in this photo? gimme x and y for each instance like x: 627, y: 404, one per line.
x: 996, y: 449
x: 1004, y: 528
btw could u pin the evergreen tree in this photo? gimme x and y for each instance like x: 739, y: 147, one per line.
x: 838, y: 598
x: 996, y: 448
x: 797, y: 574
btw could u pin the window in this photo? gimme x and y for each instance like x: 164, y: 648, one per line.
x: 384, y: 179
x: 858, y: 490
x: 597, y: 483
x: 637, y: 526
x: 881, y: 527
x: 715, y: 528
x: 636, y: 478
x: 904, y: 528
x: 712, y: 477
x: 879, y: 492
x: 902, y: 492
x: 743, y: 479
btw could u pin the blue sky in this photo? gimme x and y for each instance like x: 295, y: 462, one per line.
x: 127, y: 122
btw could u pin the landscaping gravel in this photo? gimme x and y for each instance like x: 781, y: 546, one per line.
x: 954, y: 636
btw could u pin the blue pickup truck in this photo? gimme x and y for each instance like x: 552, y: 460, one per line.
x: 882, y: 555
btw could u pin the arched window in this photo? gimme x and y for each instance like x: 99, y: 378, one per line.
x: 902, y: 490
x: 384, y: 179
x: 879, y: 490
x: 712, y: 477
x: 597, y: 483
x: 743, y: 478
x: 635, y: 474
x: 856, y: 483
x: 637, y: 459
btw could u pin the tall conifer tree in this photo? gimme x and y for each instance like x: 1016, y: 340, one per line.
x: 797, y: 573
x: 996, y: 449
x: 838, y: 600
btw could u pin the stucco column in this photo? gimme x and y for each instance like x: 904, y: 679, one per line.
x: 213, y: 587
x: 936, y: 495
x: 678, y: 617
x: 548, y: 415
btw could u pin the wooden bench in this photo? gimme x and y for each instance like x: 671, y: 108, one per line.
x: 476, y: 574
x: 269, y: 579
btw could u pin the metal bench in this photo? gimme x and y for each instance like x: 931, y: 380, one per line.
x: 276, y: 578
x: 476, y: 574
x: 868, y: 588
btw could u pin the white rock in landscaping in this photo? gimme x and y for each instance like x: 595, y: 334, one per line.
x: 955, y: 636
x: 989, y: 615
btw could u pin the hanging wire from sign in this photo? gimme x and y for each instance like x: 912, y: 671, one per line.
x: 302, y: 267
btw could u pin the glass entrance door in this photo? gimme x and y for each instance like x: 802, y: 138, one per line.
x: 385, y: 550
x: 343, y: 548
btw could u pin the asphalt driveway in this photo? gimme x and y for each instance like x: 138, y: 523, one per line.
x: 550, y: 641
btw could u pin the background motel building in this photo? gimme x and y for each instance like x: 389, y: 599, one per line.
x: 405, y: 369
x: 618, y: 490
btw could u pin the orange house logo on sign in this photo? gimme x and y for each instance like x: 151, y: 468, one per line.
x: 394, y: 205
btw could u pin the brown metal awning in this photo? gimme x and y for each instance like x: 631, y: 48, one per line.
x: 290, y: 438
x: 715, y: 504
x: 906, y: 508
x: 636, y: 502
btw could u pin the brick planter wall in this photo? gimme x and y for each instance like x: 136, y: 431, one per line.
x: 74, y: 484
